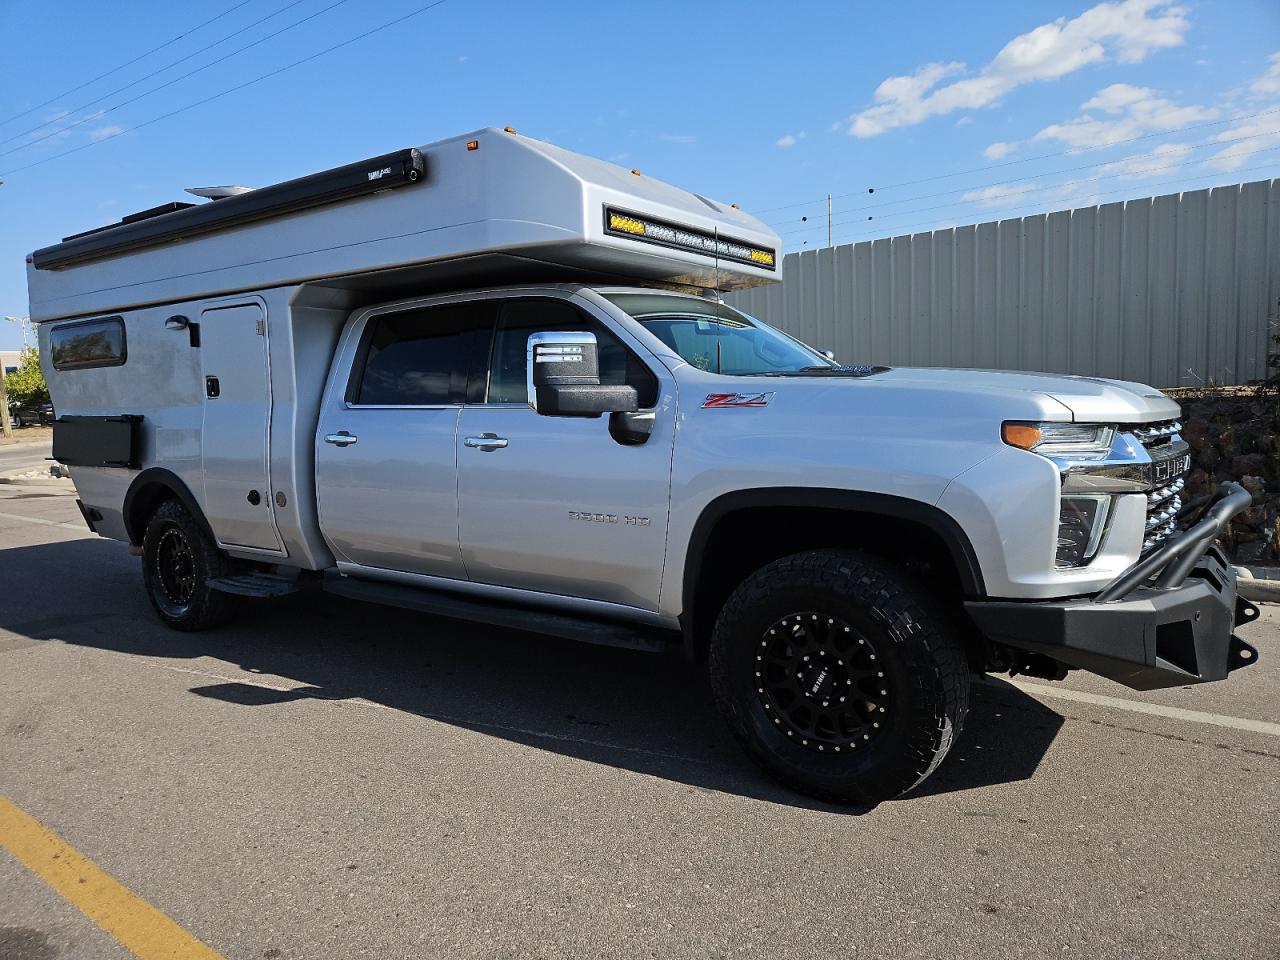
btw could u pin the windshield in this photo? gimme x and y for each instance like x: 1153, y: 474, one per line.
x: 717, y: 338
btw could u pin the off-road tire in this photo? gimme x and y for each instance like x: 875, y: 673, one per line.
x: 924, y: 668
x: 173, y: 540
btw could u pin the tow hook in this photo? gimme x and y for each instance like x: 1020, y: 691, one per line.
x: 1246, y: 612
x: 1240, y: 654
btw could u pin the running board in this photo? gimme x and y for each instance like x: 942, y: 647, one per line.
x: 495, y: 614
x: 258, y: 584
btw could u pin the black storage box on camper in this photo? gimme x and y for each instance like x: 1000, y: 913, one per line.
x: 98, y: 441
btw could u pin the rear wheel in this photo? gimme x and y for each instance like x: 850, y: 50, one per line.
x: 839, y: 677
x: 178, y: 561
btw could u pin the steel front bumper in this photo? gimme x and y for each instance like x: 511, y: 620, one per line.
x: 1165, y: 622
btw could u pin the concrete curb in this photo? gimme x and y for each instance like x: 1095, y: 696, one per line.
x: 1259, y: 584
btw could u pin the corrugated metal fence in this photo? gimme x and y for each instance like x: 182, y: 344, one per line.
x: 1179, y: 290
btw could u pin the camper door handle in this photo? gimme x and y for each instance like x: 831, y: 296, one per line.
x: 487, y: 442
x: 341, y: 439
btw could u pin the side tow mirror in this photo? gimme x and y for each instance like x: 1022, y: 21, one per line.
x: 563, y: 374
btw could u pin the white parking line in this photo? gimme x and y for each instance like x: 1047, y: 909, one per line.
x: 1141, y: 706
x: 44, y: 523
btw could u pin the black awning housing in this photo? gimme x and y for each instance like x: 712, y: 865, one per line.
x: 374, y: 175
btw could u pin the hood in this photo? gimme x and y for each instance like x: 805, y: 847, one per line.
x: 1088, y: 399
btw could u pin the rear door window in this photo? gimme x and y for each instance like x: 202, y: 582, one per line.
x: 426, y: 357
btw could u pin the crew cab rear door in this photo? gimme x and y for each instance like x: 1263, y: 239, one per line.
x: 386, y: 470
x: 556, y: 504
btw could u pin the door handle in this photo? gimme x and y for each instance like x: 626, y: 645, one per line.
x: 486, y: 442
x: 341, y: 439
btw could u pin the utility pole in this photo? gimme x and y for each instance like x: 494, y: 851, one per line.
x: 829, y: 220
x: 5, y: 429
x: 4, y: 408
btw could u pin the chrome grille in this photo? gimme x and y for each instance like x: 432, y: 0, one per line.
x: 1164, y: 503
x: 1157, y: 434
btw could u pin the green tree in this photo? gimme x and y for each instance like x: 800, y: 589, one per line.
x: 27, y: 388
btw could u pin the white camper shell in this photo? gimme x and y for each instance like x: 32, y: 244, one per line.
x: 247, y: 295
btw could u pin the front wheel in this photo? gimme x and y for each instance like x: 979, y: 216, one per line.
x: 838, y: 676
x: 178, y: 561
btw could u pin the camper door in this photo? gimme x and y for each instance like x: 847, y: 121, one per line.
x: 236, y: 434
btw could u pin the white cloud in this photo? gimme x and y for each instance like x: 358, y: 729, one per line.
x: 999, y: 150
x: 1126, y: 31
x: 1262, y: 134
x: 1152, y: 163
x: 1118, y: 96
x: 964, y: 121
x: 1129, y: 112
x: 102, y: 133
x: 998, y: 194
x: 790, y: 140
x: 1269, y: 82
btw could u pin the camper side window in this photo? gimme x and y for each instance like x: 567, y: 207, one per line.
x: 428, y: 357
x: 88, y: 343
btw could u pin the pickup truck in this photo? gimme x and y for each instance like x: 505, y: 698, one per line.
x: 844, y: 546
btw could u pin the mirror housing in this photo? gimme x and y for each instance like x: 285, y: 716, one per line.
x: 829, y: 354
x: 563, y: 378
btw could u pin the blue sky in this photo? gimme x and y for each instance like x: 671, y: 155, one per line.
x: 951, y: 112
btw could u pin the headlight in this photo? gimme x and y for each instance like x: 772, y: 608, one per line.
x: 1081, y: 524
x: 1076, y: 441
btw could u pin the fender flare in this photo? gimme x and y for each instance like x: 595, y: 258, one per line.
x: 147, y: 484
x: 883, y: 504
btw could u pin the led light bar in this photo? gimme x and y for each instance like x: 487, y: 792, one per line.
x: 636, y: 226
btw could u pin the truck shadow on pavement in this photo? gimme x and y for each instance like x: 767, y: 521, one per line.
x: 647, y: 713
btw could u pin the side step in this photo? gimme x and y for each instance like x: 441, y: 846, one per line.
x: 260, y: 584
x: 493, y: 613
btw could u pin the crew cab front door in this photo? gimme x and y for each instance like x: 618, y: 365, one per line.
x: 386, y: 471
x: 556, y: 504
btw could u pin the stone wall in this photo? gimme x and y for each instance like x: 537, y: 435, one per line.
x: 1234, y: 434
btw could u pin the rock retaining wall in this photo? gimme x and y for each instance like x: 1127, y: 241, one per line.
x: 1235, y: 435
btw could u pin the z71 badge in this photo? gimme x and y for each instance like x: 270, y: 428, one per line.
x: 737, y: 400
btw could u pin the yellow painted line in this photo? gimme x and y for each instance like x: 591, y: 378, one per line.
x: 138, y: 926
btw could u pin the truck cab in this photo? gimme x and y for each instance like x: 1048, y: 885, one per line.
x: 554, y: 421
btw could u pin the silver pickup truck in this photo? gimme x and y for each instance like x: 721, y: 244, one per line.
x: 593, y: 444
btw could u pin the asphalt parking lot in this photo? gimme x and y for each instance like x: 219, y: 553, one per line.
x: 325, y: 779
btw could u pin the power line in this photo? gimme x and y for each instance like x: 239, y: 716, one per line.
x: 864, y: 236
x: 127, y: 63
x: 230, y: 90
x: 98, y: 115
x: 1014, y: 198
x: 1042, y: 156
x: 1158, y: 167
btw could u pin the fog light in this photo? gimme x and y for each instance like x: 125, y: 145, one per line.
x: 1081, y: 524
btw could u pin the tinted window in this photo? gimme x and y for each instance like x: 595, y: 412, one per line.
x: 90, y: 343
x: 430, y: 356
x: 714, y: 337
x: 520, y: 318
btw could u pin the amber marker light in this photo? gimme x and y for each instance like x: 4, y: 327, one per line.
x: 473, y: 144
x: 1024, y: 435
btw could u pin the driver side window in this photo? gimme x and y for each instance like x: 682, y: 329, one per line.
x: 520, y: 318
